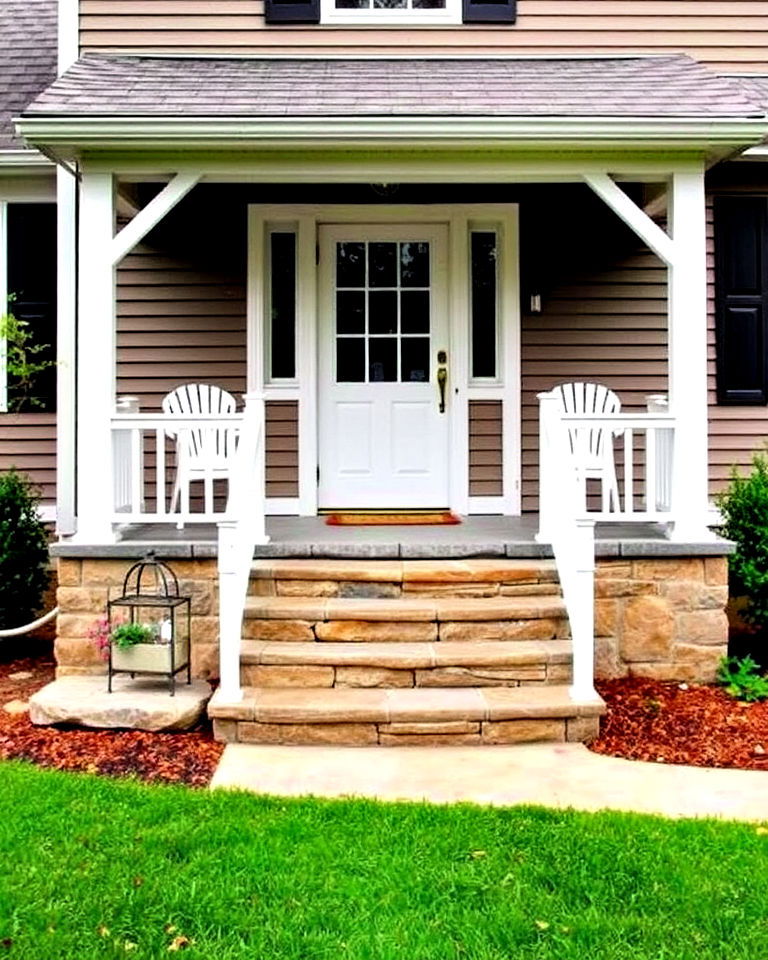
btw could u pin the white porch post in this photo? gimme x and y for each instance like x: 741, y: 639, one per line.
x: 96, y: 358
x: 688, y: 355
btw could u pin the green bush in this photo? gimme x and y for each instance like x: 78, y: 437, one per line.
x: 23, y: 552
x: 744, y: 507
x: 742, y: 679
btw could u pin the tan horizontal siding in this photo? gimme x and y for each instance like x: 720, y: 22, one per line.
x: 28, y: 443
x: 485, y: 448
x: 607, y: 324
x: 731, y: 36
x: 282, y: 448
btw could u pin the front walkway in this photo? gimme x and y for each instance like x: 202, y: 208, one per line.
x: 552, y: 775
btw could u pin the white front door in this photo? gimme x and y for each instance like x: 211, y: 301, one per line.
x: 383, y: 335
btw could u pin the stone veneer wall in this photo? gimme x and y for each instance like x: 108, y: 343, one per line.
x: 662, y: 618
x: 654, y: 617
x: 86, y: 585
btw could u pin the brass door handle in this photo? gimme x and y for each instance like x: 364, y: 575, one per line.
x: 442, y: 379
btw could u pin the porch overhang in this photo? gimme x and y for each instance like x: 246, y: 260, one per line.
x: 628, y: 104
x: 73, y: 138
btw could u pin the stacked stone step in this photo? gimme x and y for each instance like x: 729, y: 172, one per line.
x: 361, y: 652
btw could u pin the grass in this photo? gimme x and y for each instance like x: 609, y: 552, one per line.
x: 99, y: 868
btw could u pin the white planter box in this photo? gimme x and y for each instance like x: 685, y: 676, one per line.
x: 148, y: 657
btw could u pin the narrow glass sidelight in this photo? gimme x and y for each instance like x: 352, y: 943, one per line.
x: 282, y: 306
x: 484, y: 304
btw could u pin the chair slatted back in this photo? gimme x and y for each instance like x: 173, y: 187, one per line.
x: 205, y: 445
x: 589, y: 445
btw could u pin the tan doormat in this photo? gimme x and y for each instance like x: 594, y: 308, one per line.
x: 363, y: 518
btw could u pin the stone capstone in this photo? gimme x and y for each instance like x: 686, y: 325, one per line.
x: 139, y: 704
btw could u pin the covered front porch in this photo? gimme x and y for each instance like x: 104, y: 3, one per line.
x: 399, y: 353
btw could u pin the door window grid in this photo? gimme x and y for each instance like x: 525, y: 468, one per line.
x: 382, y: 312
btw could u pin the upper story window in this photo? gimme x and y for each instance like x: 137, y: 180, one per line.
x: 406, y: 13
x: 362, y: 12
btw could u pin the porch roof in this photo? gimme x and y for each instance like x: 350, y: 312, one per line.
x: 621, y: 87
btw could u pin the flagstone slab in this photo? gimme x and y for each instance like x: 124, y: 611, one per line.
x: 135, y: 704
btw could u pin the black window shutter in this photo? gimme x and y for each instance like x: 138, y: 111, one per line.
x: 741, y: 299
x: 292, y: 11
x: 489, y: 11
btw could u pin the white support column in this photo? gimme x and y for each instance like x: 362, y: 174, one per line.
x: 96, y: 359
x: 688, y: 355
x: 66, y: 340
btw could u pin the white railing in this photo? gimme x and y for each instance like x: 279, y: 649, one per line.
x: 635, y: 460
x: 148, y: 471
x: 242, y: 529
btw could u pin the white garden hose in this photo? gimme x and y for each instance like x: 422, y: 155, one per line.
x: 29, y: 627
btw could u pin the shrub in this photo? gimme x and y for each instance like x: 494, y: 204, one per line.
x: 744, y: 507
x: 23, y: 552
x: 742, y: 679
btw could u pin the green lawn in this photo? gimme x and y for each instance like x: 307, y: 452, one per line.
x: 96, y: 868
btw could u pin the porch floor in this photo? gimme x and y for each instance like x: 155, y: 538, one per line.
x: 477, y: 536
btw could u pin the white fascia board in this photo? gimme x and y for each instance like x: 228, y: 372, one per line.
x: 24, y: 161
x: 68, y: 135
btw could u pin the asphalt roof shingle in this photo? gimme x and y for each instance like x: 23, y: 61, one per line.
x: 647, y: 86
x: 28, y: 47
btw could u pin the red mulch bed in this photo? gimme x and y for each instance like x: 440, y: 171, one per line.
x: 682, y: 723
x: 188, y: 758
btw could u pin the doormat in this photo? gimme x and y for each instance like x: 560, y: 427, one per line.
x: 362, y: 518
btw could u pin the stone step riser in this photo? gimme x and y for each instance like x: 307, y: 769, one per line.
x: 443, y: 733
x: 382, y: 631
x: 352, y: 589
x: 321, y: 676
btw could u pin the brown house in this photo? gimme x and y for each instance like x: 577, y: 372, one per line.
x: 408, y: 233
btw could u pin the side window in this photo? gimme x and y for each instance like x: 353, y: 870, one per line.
x: 741, y: 299
x: 28, y: 304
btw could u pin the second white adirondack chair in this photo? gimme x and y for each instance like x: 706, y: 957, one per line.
x: 592, y: 447
x: 202, y: 453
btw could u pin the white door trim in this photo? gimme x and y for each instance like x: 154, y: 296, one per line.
x: 307, y: 218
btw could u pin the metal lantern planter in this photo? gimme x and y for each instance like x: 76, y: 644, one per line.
x: 152, y: 600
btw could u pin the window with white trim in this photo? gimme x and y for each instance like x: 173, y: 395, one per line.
x: 403, y: 12
x: 28, y: 292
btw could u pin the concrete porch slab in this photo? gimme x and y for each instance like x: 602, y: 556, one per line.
x: 140, y: 704
x: 475, y: 536
x: 560, y: 775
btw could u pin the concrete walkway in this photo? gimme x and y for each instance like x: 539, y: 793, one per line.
x: 552, y: 775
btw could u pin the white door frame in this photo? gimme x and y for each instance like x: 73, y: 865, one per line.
x: 460, y: 218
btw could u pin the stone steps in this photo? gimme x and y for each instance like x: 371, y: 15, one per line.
x: 395, y: 578
x: 404, y: 619
x: 398, y: 665
x: 478, y: 715
x: 412, y: 651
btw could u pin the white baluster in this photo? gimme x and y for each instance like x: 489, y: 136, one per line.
x: 579, y: 594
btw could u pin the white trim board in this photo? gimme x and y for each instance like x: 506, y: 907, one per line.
x: 459, y: 217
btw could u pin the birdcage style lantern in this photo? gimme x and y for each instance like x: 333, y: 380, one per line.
x: 149, y: 624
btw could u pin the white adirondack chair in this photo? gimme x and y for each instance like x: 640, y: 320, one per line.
x: 202, y: 453
x: 593, y: 447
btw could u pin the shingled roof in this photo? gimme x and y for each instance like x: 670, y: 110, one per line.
x: 644, y: 86
x: 27, y: 59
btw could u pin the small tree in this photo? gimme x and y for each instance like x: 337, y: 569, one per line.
x: 744, y: 507
x: 23, y: 552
